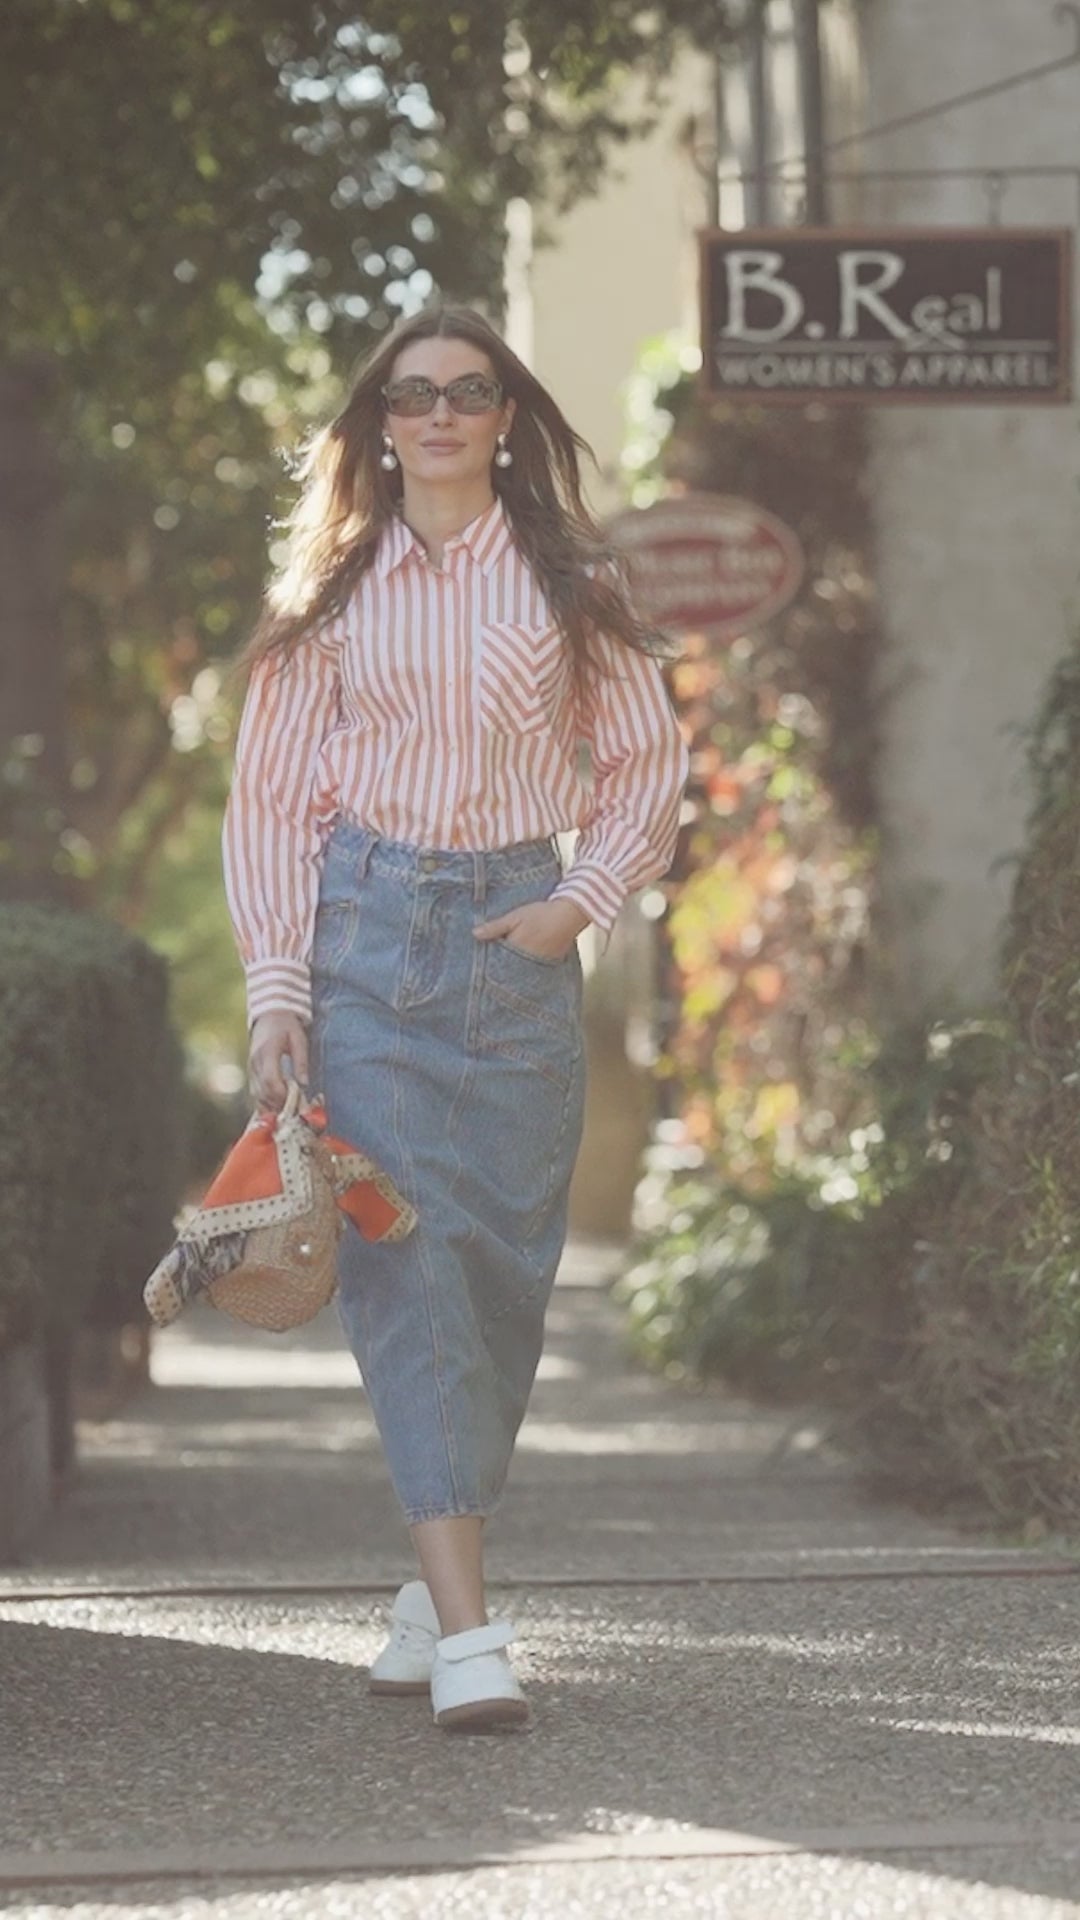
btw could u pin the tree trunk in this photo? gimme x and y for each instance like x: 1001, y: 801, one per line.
x: 33, y: 774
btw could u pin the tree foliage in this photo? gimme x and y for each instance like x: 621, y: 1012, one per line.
x: 153, y: 152
x: 207, y: 211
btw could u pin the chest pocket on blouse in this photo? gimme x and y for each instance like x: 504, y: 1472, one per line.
x: 524, y: 676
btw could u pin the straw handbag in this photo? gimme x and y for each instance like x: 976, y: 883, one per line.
x: 262, y: 1245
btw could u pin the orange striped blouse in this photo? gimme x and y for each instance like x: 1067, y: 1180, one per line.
x: 439, y: 708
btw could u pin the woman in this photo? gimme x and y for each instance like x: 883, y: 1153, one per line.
x: 447, y: 628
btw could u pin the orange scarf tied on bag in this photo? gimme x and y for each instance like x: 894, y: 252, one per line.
x: 261, y: 1244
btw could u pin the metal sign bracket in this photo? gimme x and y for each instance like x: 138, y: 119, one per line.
x: 995, y: 178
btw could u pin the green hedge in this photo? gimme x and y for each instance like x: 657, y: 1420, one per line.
x: 91, y: 1121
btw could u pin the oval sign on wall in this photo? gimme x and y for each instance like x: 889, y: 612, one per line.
x: 709, y: 562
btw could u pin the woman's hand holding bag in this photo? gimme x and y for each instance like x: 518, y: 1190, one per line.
x: 276, y: 1037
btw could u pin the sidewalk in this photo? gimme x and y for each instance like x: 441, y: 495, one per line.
x: 755, y: 1694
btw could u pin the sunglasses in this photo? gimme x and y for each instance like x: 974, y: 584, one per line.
x: 469, y: 393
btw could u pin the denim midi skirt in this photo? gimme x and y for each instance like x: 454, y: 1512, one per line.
x: 458, y: 1064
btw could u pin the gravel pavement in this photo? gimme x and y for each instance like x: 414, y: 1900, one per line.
x: 755, y: 1692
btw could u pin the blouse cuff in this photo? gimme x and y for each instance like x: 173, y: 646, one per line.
x: 278, y: 986
x: 593, y: 888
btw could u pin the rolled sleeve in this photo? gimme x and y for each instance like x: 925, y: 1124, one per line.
x: 640, y: 767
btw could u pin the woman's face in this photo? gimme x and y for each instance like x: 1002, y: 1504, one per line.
x: 444, y: 446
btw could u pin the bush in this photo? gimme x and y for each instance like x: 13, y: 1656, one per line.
x: 776, y: 1287
x: 983, y: 1375
x: 942, y: 1310
x: 717, y: 1285
x: 90, y: 1130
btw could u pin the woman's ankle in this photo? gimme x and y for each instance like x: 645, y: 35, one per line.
x: 459, y: 1620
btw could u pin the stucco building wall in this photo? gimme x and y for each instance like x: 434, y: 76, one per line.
x: 977, y: 512
x: 621, y: 267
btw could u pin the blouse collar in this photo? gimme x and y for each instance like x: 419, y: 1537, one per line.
x: 486, y: 539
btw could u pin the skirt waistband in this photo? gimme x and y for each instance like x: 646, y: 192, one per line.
x: 477, y: 868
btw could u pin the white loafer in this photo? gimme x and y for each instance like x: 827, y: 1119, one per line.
x: 473, y: 1687
x: 405, y: 1663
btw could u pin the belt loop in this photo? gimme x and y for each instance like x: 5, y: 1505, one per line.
x: 479, y: 879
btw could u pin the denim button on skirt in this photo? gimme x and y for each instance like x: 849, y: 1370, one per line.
x: 459, y: 1065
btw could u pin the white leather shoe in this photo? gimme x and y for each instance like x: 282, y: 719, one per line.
x: 473, y: 1687
x: 404, y: 1665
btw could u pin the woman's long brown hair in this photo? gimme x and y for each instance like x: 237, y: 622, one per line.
x: 347, y: 500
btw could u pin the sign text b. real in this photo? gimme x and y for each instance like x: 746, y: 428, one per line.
x: 940, y: 314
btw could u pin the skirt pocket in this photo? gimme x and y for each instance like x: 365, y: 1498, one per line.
x: 335, y: 928
x: 530, y: 1009
x: 535, y: 959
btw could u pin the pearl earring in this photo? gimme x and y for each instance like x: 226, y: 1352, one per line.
x: 388, y: 460
x: 504, y: 457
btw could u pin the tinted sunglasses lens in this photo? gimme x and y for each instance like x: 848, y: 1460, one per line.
x: 410, y: 396
x: 473, y: 394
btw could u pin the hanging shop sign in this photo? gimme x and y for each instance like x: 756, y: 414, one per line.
x: 974, y: 315
x: 708, y: 562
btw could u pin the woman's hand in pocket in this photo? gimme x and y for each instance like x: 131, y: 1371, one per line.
x: 546, y: 928
x: 273, y: 1036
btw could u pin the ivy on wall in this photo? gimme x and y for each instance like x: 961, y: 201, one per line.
x: 770, y: 928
